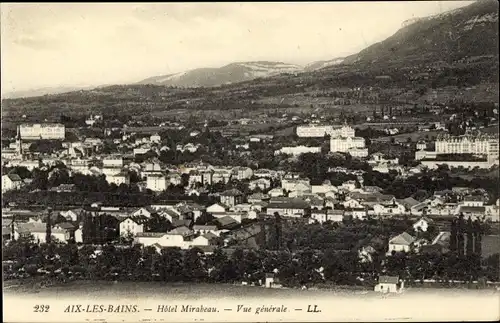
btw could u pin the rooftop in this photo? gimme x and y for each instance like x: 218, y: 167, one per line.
x: 402, y: 239
x: 388, y: 279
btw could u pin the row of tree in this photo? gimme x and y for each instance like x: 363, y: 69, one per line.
x: 305, y: 267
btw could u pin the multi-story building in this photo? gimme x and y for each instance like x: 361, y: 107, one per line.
x: 157, y: 182
x: 314, y: 130
x: 466, y: 144
x: 343, y: 131
x: 11, y: 182
x: 132, y: 225
x: 118, y: 179
x: 38, y: 131
x: 112, y: 161
x: 241, y: 173
x: 231, y: 197
x: 481, y: 144
x: 344, y: 144
x: 322, y: 130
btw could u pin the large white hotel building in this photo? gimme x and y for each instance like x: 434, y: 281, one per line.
x: 468, y: 144
x: 37, y: 131
x: 312, y: 131
x: 475, y: 144
x: 355, y: 146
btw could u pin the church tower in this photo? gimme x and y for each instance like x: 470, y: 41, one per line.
x: 19, y: 143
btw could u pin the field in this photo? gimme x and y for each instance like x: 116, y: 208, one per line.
x: 415, y: 136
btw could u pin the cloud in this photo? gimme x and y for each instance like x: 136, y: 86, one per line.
x: 183, y: 12
x: 37, y: 42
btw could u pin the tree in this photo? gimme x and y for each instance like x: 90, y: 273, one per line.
x: 278, y: 228
x: 48, y: 226
x: 478, y: 233
x: 88, y: 229
x: 204, y: 219
x: 194, y: 267
x: 453, y: 236
x: 157, y: 223
x: 127, y: 238
x: 460, y: 235
x: 22, y: 171
x: 470, y: 238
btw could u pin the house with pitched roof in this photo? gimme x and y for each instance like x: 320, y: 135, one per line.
x: 401, y: 242
x: 183, y: 231
x: 473, y: 212
x: 161, y: 240
x: 11, y: 182
x: 122, y: 177
x: 289, y: 207
x: 226, y: 222
x: 352, y: 203
x: 276, y: 192
x: 408, y: 203
x: 393, y: 208
x: 231, y: 197
x: 261, y: 183
x: 314, y: 200
x: 244, y: 207
x: 182, y: 223
x: 257, y: 197
x: 492, y: 213
x: 389, y: 284
x: 132, y: 225
x: 323, y: 216
x: 216, y: 209
x: 143, y: 211
x: 170, y: 214
x: 422, y: 224
x: 207, y: 239
x: 202, y: 229
x: 323, y: 188
x: 473, y: 200
x: 38, y: 231
x: 299, y: 190
x: 241, y: 173
x: 359, y: 213
x: 71, y: 215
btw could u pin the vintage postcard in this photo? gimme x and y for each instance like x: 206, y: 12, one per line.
x: 250, y: 162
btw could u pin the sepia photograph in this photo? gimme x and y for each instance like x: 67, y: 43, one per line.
x: 250, y: 162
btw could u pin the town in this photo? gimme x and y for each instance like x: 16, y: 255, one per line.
x: 326, y: 203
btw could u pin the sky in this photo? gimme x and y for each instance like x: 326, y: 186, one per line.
x: 91, y: 44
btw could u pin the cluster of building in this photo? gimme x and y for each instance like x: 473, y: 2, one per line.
x: 342, y: 139
x: 267, y: 192
x: 293, y: 198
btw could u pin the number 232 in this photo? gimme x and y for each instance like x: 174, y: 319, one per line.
x: 41, y: 308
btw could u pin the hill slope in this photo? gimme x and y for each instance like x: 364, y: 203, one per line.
x: 232, y: 73
x: 322, y: 64
x: 462, y: 33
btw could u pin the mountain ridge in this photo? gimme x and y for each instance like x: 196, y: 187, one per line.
x: 443, y: 40
x: 231, y: 73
